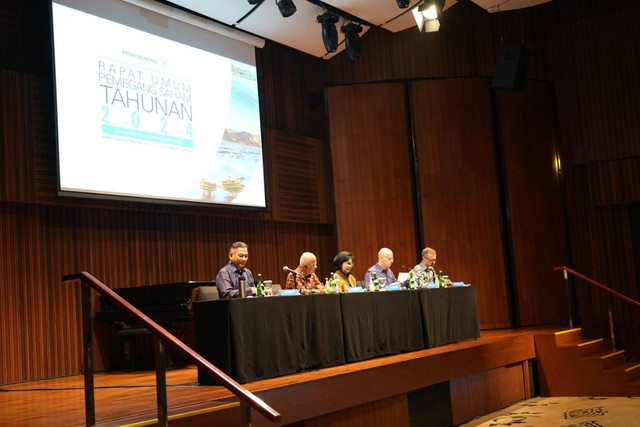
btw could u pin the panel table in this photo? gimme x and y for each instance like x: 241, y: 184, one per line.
x: 258, y: 338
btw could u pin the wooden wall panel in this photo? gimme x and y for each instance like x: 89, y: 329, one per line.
x: 9, y: 35
x: 614, y: 182
x: 458, y: 188
x: 392, y: 411
x: 12, y: 325
x: 371, y: 173
x: 538, y: 231
x: 289, y: 78
x: 484, y: 392
x: 601, y: 74
x: 15, y: 125
x: 300, y: 180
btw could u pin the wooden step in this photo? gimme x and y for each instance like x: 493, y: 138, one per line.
x: 629, y: 371
x: 633, y: 388
x: 608, y: 359
x: 586, y: 347
x: 569, y: 335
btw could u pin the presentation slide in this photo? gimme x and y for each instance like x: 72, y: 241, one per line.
x: 143, y: 116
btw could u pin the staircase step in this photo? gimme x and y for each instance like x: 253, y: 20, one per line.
x: 609, y: 358
x: 569, y: 335
x: 634, y: 388
x: 586, y: 347
x: 629, y: 370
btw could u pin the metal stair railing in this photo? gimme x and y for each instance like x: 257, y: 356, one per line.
x: 161, y: 336
x: 611, y: 292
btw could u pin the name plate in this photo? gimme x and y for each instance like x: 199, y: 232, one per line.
x: 354, y: 289
x: 432, y: 285
x: 289, y: 292
x: 396, y: 287
x: 458, y: 284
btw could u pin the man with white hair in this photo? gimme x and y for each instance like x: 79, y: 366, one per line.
x: 306, y: 280
x: 382, y: 268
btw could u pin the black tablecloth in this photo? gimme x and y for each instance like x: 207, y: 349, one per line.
x: 380, y: 323
x: 449, y: 315
x: 257, y: 338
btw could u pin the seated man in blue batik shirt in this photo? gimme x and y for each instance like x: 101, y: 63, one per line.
x: 382, y: 268
x: 424, y: 272
x: 228, y: 276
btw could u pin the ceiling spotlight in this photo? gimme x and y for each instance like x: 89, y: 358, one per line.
x: 426, y: 15
x: 352, y: 38
x: 329, y: 31
x: 403, y: 4
x: 287, y: 8
x: 253, y: 1
x: 431, y: 9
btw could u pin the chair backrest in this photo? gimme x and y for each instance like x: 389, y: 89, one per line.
x: 207, y: 293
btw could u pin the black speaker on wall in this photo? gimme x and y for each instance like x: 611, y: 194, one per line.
x: 511, y: 67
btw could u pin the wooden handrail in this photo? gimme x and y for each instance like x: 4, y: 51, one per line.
x: 226, y: 381
x: 600, y: 285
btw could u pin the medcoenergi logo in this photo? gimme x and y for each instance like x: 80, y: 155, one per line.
x: 141, y: 57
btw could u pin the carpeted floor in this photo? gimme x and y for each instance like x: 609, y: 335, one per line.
x: 566, y: 411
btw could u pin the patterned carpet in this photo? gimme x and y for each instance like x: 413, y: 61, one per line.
x: 566, y: 412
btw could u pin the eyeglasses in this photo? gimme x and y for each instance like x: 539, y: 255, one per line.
x: 433, y: 261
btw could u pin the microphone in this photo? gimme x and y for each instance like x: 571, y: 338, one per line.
x: 295, y: 273
x: 288, y: 270
x: 408, y: 268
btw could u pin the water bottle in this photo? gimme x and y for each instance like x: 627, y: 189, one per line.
x: 412, y: 282
x: 260, y: 287
x: 375, y: 282
x: 242, y: 287
x: 335, y: 284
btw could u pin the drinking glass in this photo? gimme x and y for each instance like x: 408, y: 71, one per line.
x: 267, y: 288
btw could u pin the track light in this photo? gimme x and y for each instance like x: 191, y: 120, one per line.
x: 351, y: 31
x: 287, y: 8
x: 427, y: 14
x: 431, y: 10
x: 403, y: 4
x: 329, y: 31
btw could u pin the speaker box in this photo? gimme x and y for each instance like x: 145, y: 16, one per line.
x: 511, y: 67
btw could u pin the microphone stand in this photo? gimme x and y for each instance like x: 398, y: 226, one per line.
x: 295, y: 276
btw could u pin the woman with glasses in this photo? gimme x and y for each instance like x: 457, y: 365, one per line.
x: 344, y: 263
